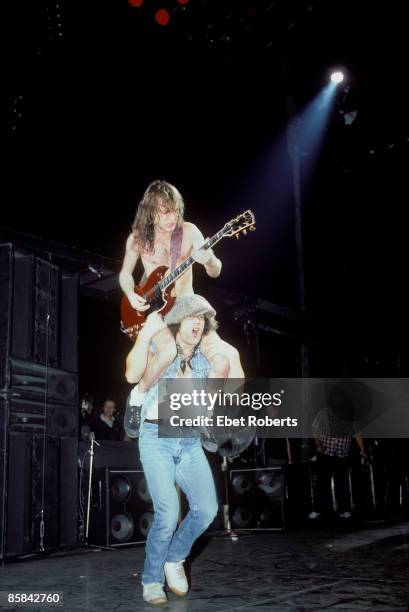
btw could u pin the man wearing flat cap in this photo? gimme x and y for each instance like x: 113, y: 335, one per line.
x: 170, y: 461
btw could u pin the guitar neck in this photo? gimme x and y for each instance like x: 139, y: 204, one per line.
x: 185, y: 265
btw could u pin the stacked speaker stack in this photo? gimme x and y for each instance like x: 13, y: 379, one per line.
x: 39, y: 411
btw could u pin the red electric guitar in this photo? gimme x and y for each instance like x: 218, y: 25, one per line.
x: 158, y: 285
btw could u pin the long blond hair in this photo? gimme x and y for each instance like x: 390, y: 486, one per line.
x: 156, y: 194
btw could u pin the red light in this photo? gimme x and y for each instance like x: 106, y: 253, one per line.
x: 183, y: 1
x: 162, y: 17
x: 135, y: 3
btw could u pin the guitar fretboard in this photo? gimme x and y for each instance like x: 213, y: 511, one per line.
x: 170, y: 278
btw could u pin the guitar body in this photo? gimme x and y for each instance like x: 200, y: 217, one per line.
x: 132, y: 320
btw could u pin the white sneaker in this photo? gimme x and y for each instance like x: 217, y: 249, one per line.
x: 153, y: 593
x: 176, y: 577
x: 136, y: 398
x: 345, y: 515
x: 314, y: 515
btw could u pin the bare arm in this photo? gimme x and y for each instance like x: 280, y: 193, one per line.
x: 137, y: 360
x: 126, y: 279
x: 140, y: 354
x: 212, y: 264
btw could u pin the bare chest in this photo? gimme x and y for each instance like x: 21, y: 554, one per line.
x: 162, y: 255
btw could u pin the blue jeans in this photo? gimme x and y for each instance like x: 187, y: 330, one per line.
x: 166, y: 461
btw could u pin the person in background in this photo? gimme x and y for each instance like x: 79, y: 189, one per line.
x: 106, y: 424
x: 333, y: 453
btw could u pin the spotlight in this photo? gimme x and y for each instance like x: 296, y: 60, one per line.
x: 337, y: 77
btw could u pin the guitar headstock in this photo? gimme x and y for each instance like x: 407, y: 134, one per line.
x: 243, y: 223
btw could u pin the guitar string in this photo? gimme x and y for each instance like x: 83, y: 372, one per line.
x: 169, y: 279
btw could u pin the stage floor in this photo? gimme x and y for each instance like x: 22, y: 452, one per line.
x: 350, y: 570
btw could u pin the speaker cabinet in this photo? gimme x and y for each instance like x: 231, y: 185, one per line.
x: 46, y: 312
x: 17, y: 513
x: 68, y: 489
x: 45, y: 502
x: 256, y: 498
x: 121, y: 508
x: 21, y: 272
x: 40, y: 510
x: 3, y: 475
x: 39, y: 412
x: 32, y: 380
x: 39, y: 312
x: 35, y: 416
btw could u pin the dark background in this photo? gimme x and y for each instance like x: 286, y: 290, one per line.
x: 102, y: 100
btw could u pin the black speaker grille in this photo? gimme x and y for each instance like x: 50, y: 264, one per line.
x: 31, y: 380
x: 35, y: 416
x: 119, y: 514
x: 256, y: 498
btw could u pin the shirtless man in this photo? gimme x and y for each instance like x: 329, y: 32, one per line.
x: 159, y: 214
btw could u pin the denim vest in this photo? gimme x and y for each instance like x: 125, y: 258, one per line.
x: 199, y: 369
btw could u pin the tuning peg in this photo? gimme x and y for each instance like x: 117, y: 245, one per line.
x: 245, y: 232
x: 237, y: 236
x: 252, y: 228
